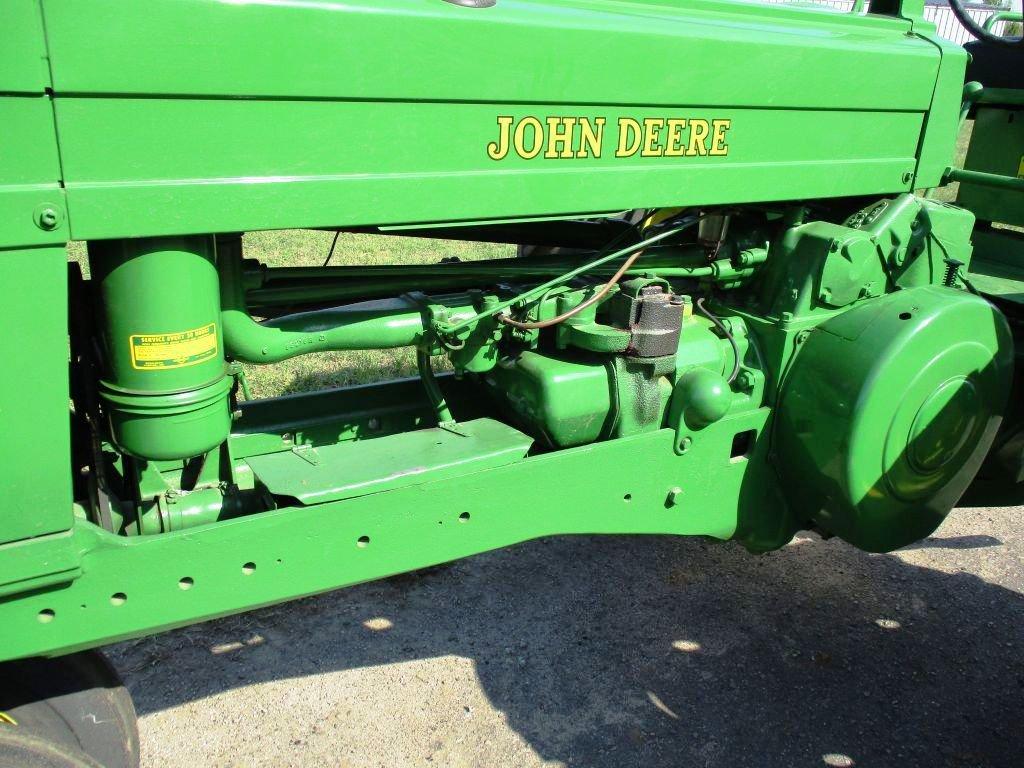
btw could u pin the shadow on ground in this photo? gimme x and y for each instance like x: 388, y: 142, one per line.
x: 655, y: 651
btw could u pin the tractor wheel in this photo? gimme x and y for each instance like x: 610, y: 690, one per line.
x: 68, y: 712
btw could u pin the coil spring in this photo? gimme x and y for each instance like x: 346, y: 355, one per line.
x: 952, y: 271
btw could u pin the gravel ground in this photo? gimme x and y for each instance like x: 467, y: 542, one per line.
x: 617, y: 651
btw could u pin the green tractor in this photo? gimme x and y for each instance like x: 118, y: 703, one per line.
x: 737, y: 309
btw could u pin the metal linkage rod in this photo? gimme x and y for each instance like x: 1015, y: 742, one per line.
x: 994, y: 180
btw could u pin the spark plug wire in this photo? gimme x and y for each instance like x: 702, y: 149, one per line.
x: 600, y: 294
x: 453, y: 328
x: 725, y: 332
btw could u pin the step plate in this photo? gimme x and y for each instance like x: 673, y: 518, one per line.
x: 314, y: 475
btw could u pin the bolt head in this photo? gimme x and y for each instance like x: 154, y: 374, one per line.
x: 47, y: 216
x: 675, y: 496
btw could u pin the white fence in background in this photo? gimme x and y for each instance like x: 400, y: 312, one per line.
x: 947, y: 25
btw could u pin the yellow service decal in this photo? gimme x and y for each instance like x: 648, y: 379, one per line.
x: 161, y: 351
x: 583, y: 137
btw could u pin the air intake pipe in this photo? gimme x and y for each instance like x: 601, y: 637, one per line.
x: 379, y: 324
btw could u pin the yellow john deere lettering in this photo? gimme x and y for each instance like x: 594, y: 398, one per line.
x: 555, y: 137
x: 173, y: 350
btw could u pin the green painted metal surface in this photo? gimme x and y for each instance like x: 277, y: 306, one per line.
x: 23, y: 64
x: 566, y: 398
x: 412, y: 161
x: 575, y: 397
x: 31, y: 199
x: 942, y: 126
x: 303, y: 551
x: 996, y: 268
x: 35, y: 481
x: 889, y: 412
x: 164, y: 383
x: 312, y: 475
x: 330, y: 416
x: 349, y: 50
x: 40, y: 562
x: 32, y: 208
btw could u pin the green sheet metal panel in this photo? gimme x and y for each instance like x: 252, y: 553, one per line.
x: 196, y: 116
x: 556, y: 51
x: 995, y: 263
x: 29, y: 165
x: 214, y: 165
x: 29, y: 173
x: 23, y: 64
x: 35, y: 453
x: 942, y: 123
x: 39, y: 562
x: 313, y: 475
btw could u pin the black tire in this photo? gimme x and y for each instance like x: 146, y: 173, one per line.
x: 18, y: 749
x: 70, y: 711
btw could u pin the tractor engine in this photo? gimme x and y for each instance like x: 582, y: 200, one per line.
x: 841, y: 350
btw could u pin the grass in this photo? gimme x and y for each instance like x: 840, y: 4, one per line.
x: 307, y: 248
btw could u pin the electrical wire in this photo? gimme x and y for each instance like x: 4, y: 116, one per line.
x: 330, y: 253
x: 531, y: 294
x: 579, y: 307
x: 969, y: 286
x: 725, y: 331
x: 639, y: 226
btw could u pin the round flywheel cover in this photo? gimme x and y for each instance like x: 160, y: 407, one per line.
x: 888, y: 410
